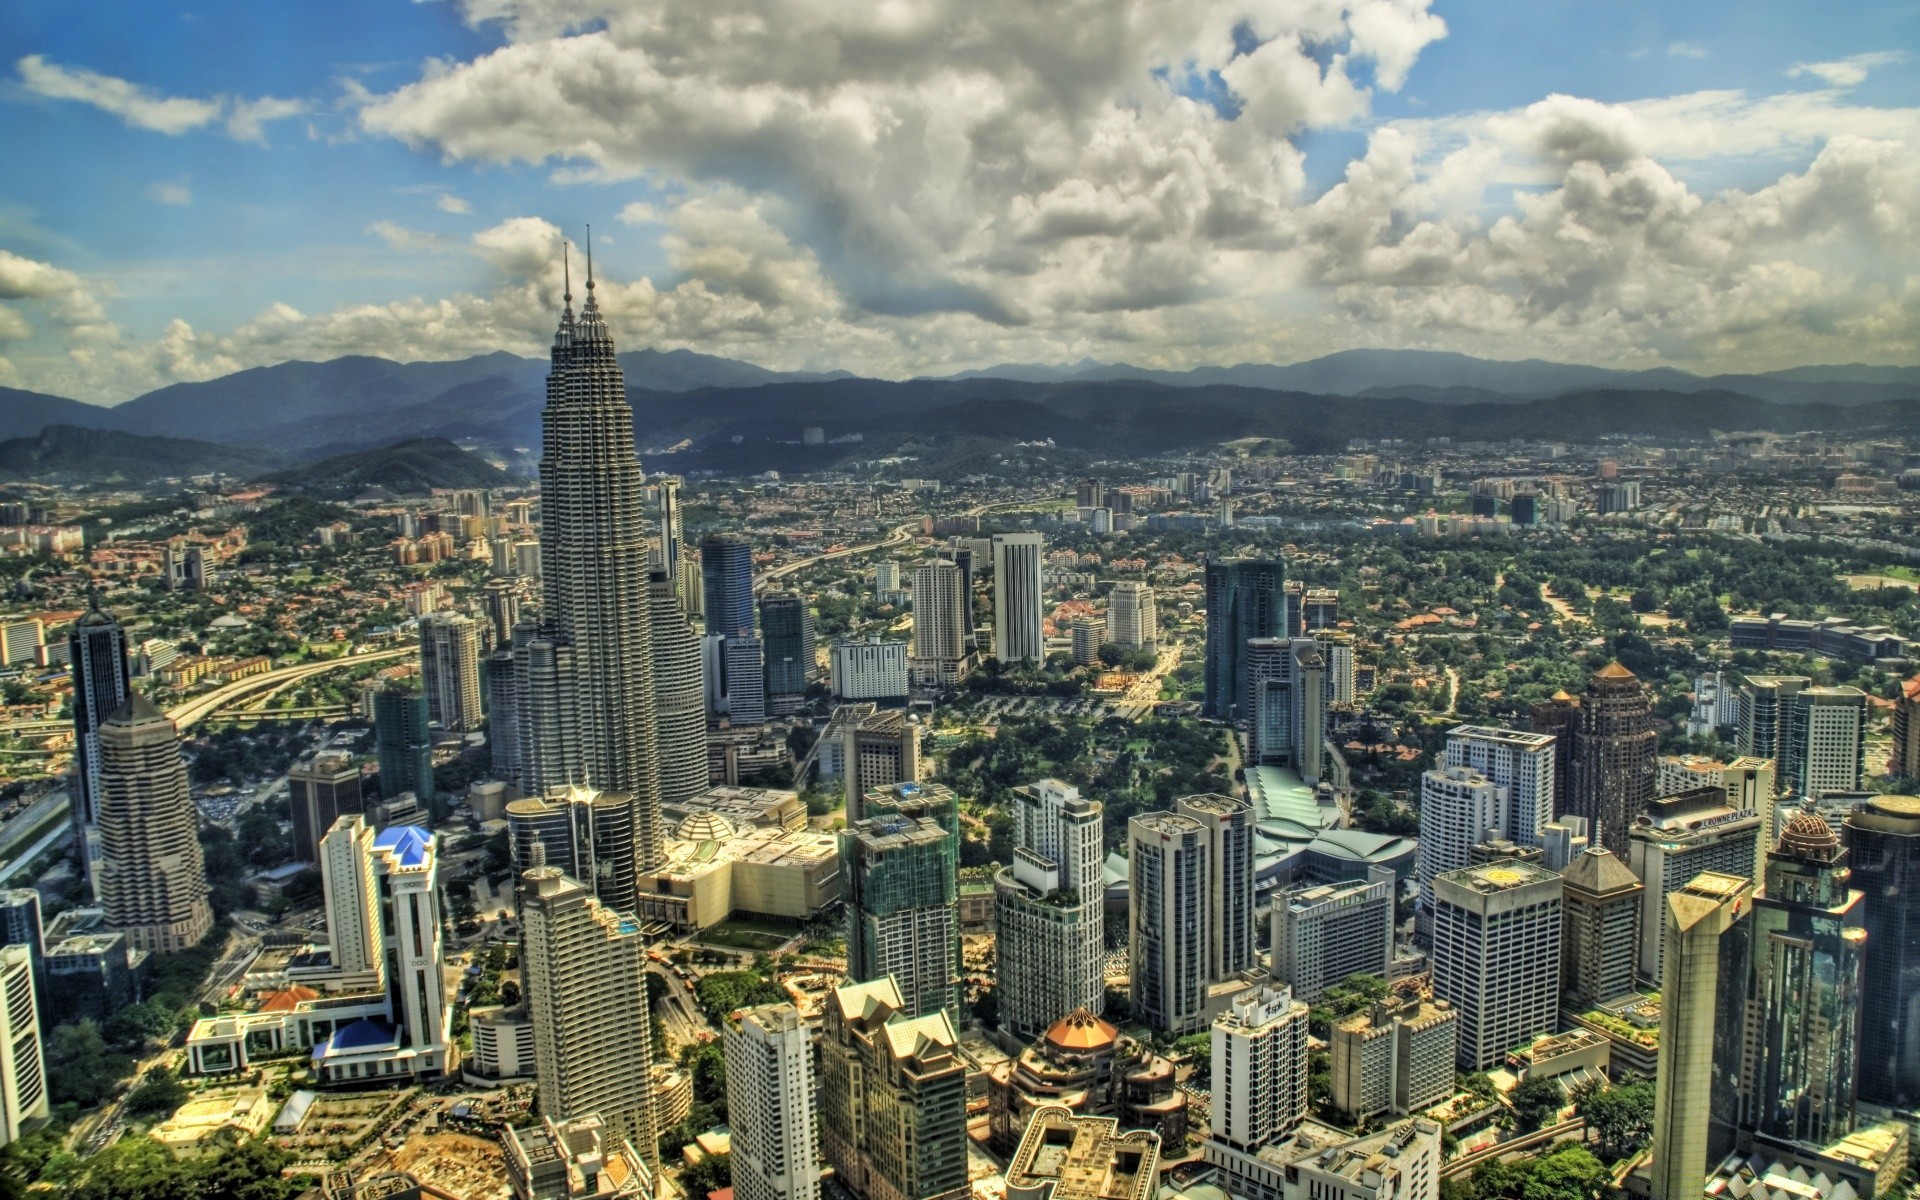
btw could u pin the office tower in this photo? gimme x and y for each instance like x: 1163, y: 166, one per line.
x: 1459, y: 808
x: 1702, y: 1025
x: 691, y: 582
x: 403, y: 744
x: 1227, y: 824
x: 740, y: 691
x: 153, y: 884
x: 1168, y: 869
x: 1338, y: 649
x: 321, y: 790
x: 1559, y: 717
x: 97, y: 652
x: 893, y: 1097
x: 350, y: 882
x: 1681, y: 837
x: 587, y: 705
x: 503, y: 716
x: 1319, y: 609
x: 1496, y: 956
x: 726, y: 577
x: 878, y: 750
x: 589, y: 835
x: 1090, y: 493
x: 903, y: 903
x: 584, y: 967
x: 1905, y: 761
x: 942, y: 622
x: 1883, y: 848
x: 1766, y: 704
x: 1396, y: 1057
x: 1826, y: 749
x: 501, y: 601
x: 1259, y: 1068
x: 1286, y: 704
x: 1614, y: 751
x: 1601, y: 937
x: 1748, y: 782
x: 770, y: 1104
x: 1086, y: 641
x: 23, y: 1068
x: 1065, y: 1156
x: 406, y: 860
x: 1019, y: 598
x: 1325, y: 932
x: 1563, y: 840
x: 20, y: 925
x: 1522, y: 763
x: 886, y: 576
x: 667, y: 488
x: 1293, y: 593
x: 450, y: 670
x: 679, y: 696
x: 786, y: 628
x: 871, y: 670
x: 1245, y: 600
x: 560, y: 1160
x: 1132, y: 622
x: 1808, y: 929
x: 1049, y: 911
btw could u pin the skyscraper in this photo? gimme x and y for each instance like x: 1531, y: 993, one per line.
x: 1559, y: 716
x: 587, y: 695
x: 586, y: 986
x: 726, y: 571
x: 1259, y: 1068
x: 667, y: 488
x: 153, y: 882
x: 903, y: 900
x: 1245, y: 599
x: 1615, y: 749
x: 942, y: 622
x: 679, y: 695
x: 1766, y: 704
x: 1883, y: 848
x: 893, y: 1097
x: 770, y: 1104
x: 23, y: 1068
x: 404, y: 744
x: 503, y: 715
x: 1231, y: 933
x: 786, y: 627
x: 501, y: 602
x: 1168, y: 867
x: 1603, y: 898
x: 450, y: 670
x: 1522, y: 763
x: 97, y: 651
x: 585, y: 833
x: 1906, y: 730
x: 1132, y: 622
x: 1684, y: 836
x: 878, y: 749
x: 321, y: 790
x: 1496, y: 956
x: 1826, y: 740
x: 1019, y: 598
x: 1286, y: 704
x: 1049, y: 910
x: 1325, y: 932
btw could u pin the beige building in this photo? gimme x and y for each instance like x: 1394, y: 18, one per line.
x: 1696, y: 1084
x: 1397, y: 1057
x: 893, y: 1097
x: 153, y: 882
x: 878, y: 751
x: 1066, y: 1156
x: 713, y: 869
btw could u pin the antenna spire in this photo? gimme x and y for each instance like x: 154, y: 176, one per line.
x: 566, y: 273
x: 589, y: 258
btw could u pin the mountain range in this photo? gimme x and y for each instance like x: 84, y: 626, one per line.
x: 735, y: 416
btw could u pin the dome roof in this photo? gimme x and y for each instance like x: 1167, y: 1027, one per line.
x: 705, y: 827
x: 1081, y: 1030
x: 1807, y: 836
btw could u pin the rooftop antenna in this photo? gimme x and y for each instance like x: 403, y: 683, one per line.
x: 566, y: 273
x: 589, y: 258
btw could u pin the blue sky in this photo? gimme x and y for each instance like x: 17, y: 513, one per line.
x: 800, y: 214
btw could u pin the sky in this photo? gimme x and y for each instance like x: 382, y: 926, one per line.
x: 915, y: 187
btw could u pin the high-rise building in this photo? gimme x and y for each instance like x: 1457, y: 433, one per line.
x: 1826, y: 740
x: 873, y: 669
x: 1228, y: 826
x: 23, y: 1068
x: 1459, y: 808
x: 404, y: 744
x: 1748, y: 782
x: 1245, y: 600
x: 679, y: 695
x: 726, y: 570
x: 450, y: 670
x: 739, y: 690
x: 1286, y: 704
x: 893, y: 1097
x: 1805, y: 995
x: 786, y: 627
x: 1703, y: 1023
x: 587, y: 699
x: 500, y: 600
x: 899, y: 865
x: 942, y: 622
x: 1559, y: 716
x: 1019, y: 598
x: 1683, y: 836
x: 584, y: 967
x: 503, y: 715
x: 1766, y: 706
x: 97, y: 653
x: 1132, y: 622
x: 321, y: 790
x: 879, y: 750
x: 1049, y: 911
x: 1169, y: 868
x: 1522, y: 763
x: 1325, y: 932
x: 562, y: 1160
x: 585, y: 833
x: 1259, y: 1068
x: 1563, y: 840
x: 1396, y: 1057
x: 1883, y: 848
x: 1905, y: 761
x: 1601, y: 938
x: 1614, y: 752
x: 1496, y: 956
x: 153, y: 882
x: 691, y: 581
x: 20, y: 925
x: 1086, y: 641
x: 349, y: 880
x: 407, y: 863
x: 667, y: 488
x: 770, y: 1104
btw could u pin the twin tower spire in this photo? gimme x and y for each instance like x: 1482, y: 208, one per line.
x: 589, y: 331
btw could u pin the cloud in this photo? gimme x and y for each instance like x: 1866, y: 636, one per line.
x: 1687, y: 50
x: 143, y: 108
x: 447, y: 202
x: 1848, y: 72
x: 172, y: 191
x: 399, y: 237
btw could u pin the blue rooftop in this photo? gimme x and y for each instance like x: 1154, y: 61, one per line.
x: 365, y: 1034
x: 408, y: 843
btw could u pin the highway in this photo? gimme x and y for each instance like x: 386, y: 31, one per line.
x: 191, y: 712
x: 901, y: 536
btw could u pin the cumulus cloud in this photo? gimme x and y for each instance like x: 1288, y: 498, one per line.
x: 447, y: 202
x: 143, y: 108
x: 1851, y: 71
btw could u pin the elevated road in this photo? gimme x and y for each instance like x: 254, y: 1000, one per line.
x: 191, y: 712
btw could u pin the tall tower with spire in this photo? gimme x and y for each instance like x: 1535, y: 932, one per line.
x: 97, y: 650
x: 591, y: 712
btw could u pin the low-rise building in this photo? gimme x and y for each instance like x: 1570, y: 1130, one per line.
x: 1067, y: 1156
x: 1086, y: 1066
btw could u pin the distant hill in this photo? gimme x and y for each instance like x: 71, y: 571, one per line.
x: 685, y: 371
x: 411, y: 467
x: 25, y: 414
x: 107, y: 455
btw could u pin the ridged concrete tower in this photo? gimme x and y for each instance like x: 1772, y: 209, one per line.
x: 680, y: 696
x: 153, y: 881
x: 594, y: 558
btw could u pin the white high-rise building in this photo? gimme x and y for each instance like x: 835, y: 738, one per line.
x: 1050, y: 952
x: 1496, y: 955
x: 770, y: 1105
x: 1132, y: 622
x: 1522, y: 763
x: 886, y: 576
x: 869, y: 670
x: 1228, y: 824
x: 942, y: 621
x: 1019, y: 598
x: 352, y: 893
x: 1338, y: 649
x: 407, y: 861
x: 1168, y: 862
x: 23, y: 1068
x: 1829, y: 735
x: 1325, y: 932
x: 584, y: 967
x: 450, y: 646
x: 1459, y: 807
x: 1259, y: 1068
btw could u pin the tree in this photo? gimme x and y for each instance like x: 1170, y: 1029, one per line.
x: 708, y: 1175
x: 1535, y: 1102
x: 159, y: 1091
x: 1570, y: 1174
x: 1622, y: 1118
x: 80, y: 1068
